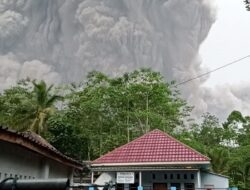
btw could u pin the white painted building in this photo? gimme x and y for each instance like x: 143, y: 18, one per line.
x: 156, y: 161
x: 28, y: 156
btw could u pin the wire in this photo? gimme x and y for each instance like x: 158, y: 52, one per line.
x: 204, y: 74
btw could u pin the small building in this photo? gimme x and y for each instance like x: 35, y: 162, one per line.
x: 156, y: 161
x: 26, y: 155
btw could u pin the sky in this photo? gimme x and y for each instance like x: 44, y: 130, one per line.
x: 61, y: 41
x: 227, y: 41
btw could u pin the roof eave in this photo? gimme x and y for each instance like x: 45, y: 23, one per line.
x: 15, y: 138
x: 150, y: 163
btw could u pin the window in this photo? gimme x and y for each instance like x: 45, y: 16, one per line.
x: 178, y: 176
x: 192, y: 176
x: 171, y: 176
x: 165, y: 176
x: 153, y: 176
x: 185, y: 176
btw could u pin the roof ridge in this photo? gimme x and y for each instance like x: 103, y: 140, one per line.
x: 122, y: 146
x: 161, y: 143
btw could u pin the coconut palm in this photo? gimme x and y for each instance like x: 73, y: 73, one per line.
x: 44, y: 103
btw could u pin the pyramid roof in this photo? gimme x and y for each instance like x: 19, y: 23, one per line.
x: 153, y: 148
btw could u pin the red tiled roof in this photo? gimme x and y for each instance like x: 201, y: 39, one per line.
x: 153, y: 147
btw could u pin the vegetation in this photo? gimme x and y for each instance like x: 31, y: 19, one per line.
x: 94, y: 117
x: 247, y: 3
x: 27, y: 106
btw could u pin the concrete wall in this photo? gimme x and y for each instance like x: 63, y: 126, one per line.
x: 209, y: 179
x: 148, y: 179
x: 16, y: 161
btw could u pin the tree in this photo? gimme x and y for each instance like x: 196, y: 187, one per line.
x: 219, y: 159
x: 247, y: 3
x: 67, y: 136
x: 209, y: 132
x: 116, y: 110
x: 44, y: 106
x: 239, y: 170
x: 234, y: 128
x: 27, y: 106
x: 17, y: 106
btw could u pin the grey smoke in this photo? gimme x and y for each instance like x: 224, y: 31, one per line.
x: 62, y: 40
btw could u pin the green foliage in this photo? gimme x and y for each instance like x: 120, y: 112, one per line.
x: 116, y: 110
x: 227, y: 145
x: 219, y: 159
x: 67, y: 136
x: 209, y: 132
x: 103, y: 113
x: 27, y: 106
x: 44, y: 105
x: 239, y: 170
x: 16, y: 106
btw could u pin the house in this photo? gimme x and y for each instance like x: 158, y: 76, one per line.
x: 156, y: 161
x: 26, y: 155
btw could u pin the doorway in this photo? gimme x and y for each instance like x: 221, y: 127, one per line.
x: 160, y: 186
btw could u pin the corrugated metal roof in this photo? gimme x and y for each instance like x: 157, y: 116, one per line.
x: 152, y: 148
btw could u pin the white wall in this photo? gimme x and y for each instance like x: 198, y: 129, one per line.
x: 213, y: 179
x: 147, y: 179
x: 16, y: 161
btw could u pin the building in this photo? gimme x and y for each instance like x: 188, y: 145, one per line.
x: 27, y: 155
x: 156, y: 161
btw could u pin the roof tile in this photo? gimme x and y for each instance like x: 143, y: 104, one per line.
x: 155, y: 146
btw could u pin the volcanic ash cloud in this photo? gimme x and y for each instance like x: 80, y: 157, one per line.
x: 61, y: 41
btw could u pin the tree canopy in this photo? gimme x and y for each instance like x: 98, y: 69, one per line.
x: 93, y: 117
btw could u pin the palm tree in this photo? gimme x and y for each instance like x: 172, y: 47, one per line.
x: 44, y: 103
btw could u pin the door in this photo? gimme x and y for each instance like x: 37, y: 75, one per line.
x: 177, y: 185
x: 160, y: 186
x: 189, y: 186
